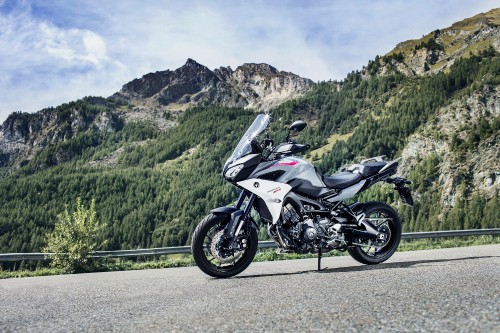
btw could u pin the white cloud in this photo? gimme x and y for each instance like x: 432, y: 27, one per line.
x: 54, y: 52
x: 26, y: 37
x: 45, y: 65
x: 95, y: 47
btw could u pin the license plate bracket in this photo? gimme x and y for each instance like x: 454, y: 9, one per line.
x: 405, y: 194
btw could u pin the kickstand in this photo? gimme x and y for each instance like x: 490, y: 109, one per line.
x: 319, y: 259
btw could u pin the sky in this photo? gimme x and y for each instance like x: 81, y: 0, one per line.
x: 56, y: 51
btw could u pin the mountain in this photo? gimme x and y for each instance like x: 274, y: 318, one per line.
x: 23, y: 135
x: 462, y: 138
x: 258, y: 86
x: 255, y: 86
x: 438, y: 50
x: 156, y: 97
x: 151, y: 154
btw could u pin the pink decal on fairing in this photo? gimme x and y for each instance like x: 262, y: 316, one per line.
x: 291, y: 163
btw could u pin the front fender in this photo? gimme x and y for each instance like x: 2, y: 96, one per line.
x: 224, y: 210
x: 234, y: 215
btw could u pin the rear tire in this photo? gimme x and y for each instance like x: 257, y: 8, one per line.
x: 206, y: 241
x: 388, y: 218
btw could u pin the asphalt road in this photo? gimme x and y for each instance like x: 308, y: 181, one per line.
x: 449, y: 290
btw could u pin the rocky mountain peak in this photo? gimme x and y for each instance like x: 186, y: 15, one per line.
x: 191, y: 62
x: 224, y: 72
x: 252, y: 68
x: 251, y: 85
x: 439, y: 49
x: 146, y: 86
x: 193, y: 68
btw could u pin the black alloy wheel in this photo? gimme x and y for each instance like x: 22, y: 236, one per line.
x: 385, y: 218
x: 211, y: 250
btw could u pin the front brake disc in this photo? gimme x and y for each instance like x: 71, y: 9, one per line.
x: 219, y: 252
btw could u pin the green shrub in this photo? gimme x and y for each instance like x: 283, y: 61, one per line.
x: 74, y: 238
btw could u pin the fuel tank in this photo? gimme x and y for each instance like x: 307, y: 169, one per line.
x: 297, y: 172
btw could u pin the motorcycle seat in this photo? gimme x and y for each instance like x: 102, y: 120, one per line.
x: 367, y: 169
x: 342, y: 180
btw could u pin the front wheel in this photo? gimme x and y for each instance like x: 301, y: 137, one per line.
x: 212, y: 251
x: 388, y: 224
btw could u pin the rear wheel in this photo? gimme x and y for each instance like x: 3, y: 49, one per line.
x: 386, y: 220
x: 212, y: 252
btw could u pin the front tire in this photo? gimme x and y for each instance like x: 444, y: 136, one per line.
x: 386, y: 218
x: 209, y: 250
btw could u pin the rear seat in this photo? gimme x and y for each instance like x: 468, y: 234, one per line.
x: 367, y: 169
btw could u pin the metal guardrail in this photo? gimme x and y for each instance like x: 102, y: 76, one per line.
x: 450, y: 233
x: 265, y: 244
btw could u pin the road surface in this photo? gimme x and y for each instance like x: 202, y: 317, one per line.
x: 448, y: 290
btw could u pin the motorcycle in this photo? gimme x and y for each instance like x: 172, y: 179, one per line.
x: 303, y: 210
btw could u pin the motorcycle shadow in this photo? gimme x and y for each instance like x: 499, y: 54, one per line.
x: 361, y: 268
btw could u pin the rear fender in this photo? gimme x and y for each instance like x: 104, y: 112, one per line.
x: 357, y: 207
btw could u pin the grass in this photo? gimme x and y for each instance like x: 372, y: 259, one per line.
x: 445, y: 243
x: 316, y: 154
x: 178, y: 163
x: 470, y: 24
x: 28, y: 273
x: 184, y: 260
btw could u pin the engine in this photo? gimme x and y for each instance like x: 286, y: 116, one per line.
x: 303, y: 233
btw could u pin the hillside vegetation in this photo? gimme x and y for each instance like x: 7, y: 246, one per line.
x: 153, y: 184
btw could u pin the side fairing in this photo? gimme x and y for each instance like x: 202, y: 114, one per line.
x: 293, y: 168
x: 271, y: 192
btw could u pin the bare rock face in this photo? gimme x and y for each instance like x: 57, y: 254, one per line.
x: 258, y: 86
x: 456, y: 122
x: 24, y: 134
x: 264, y: 87
x: 439, y: 49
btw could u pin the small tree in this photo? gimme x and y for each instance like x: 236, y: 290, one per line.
x: 75, y: 236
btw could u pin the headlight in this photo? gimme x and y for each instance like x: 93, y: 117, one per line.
x: 233, y: 171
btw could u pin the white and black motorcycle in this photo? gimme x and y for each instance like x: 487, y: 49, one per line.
x: 303, y: 209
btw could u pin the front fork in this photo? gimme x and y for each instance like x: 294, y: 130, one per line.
x: 239, y: 217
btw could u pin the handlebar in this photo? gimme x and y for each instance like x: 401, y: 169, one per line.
x: 299, y: 148
x: 286, y: 149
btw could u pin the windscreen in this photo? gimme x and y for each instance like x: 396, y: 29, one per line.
x: 244, y: 147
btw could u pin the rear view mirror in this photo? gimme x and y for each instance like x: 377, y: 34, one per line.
x: 298, y: 126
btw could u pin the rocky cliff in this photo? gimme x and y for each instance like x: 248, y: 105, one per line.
x: 463, y: 139
x: 463, y: 136
x: 439, y: 49
x: 22, y: 135
x: 256, y: 86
